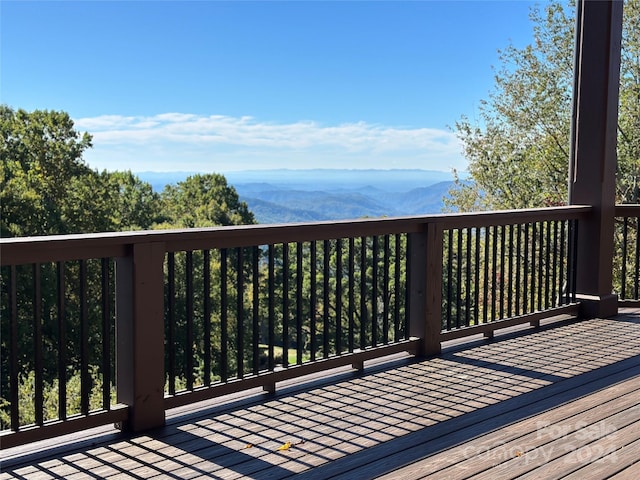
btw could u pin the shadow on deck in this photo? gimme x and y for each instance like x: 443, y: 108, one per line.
x: 559, y: 401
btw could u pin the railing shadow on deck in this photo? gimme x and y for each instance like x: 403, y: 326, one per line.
x: 416, y: 407
x: 164, y: 319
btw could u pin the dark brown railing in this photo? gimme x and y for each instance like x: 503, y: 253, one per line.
x: 136, y: 323
x: 626, y: 266
x: 233, y: 313
x: 498, y: 272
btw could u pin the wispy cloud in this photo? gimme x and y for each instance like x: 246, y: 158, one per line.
x: 178, y: 141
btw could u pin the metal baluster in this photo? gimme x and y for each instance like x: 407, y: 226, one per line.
x: 171, y: 307
x: 554, y: 281
x: 13, y: 350
x: 256, y: 309
x: 502, y: 269
x: 374, y: 293
x: 351, y: 312
x: 224, y: 333
x: 62, y: 345
x: 561, y: 274
x: 325, y: 318
x: 363, y: 292
x: 207, y: 316
x: 314, y: 298
x: 106, y: 336
x: 476, y: 279
x: 85, y: 380
x: 188, y: 347
x: 285, y: 305
x: 396, y: 286
x: 458, y: 276
x: 540, y: 260
x: 534, y: 236
x: 494, y: 271
x: 485, y: 307
x: 240, y: 312
x: 547, y: 277
x: 510, y: 276
x: 467, y: 293
x: 37, y: 345
x: 449, y: 277
x: 338, y: 296
x: 272, y: 308
x: 518, y: 267
x: 385, y: 291
x: 623, y: 280
x: 299, y: 310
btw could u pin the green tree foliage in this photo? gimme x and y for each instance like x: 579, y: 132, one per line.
x: 47, y: 188
x: 41, y: 155
x: 518, y: 150
x: 629, y: 110
x: 135, y: 205
x: 204, y: 200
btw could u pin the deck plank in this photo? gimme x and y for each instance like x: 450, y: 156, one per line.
x: 632, y: 471
x: 444, y: 417
x: 565, y: 454
x: 623, y: 459
x: 477, y: 455
x: 444, y: 435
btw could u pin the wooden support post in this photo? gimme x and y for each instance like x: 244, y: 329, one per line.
x: 592, y: 172
x: 140, y: 335
x: 425, y: 320
x: 358, y: 365
x: 269, y: 386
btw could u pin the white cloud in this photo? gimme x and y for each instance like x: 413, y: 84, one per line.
x: 177, y: 141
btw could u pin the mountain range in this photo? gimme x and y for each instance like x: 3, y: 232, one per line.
x: 289, y: 196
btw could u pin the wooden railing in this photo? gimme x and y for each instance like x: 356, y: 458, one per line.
x: 626, y: 266
x: 118, y: 327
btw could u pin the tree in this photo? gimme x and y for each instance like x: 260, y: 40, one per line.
x: 204, y: 200
x: 135, y: 205
x: 629, y: 110
x: 41, y: 155
x: 47, y: 189
x: 519, y: 151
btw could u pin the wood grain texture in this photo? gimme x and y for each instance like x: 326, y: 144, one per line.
x: 560, y: 401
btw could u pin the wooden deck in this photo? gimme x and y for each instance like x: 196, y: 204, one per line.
x: 562, y: 401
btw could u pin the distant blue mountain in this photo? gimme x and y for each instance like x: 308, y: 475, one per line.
x: 393, y: 180
x: 288, y: 196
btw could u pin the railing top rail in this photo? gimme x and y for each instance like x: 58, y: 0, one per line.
x: 627, y: 210
x: 17, y: 251
x: 512, y: 217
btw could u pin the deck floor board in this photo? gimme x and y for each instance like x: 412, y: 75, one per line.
x: 562, y: 401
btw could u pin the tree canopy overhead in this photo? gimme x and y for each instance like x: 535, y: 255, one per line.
x: 518, y: 148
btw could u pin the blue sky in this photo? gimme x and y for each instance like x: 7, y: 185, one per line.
x: 222, y: 86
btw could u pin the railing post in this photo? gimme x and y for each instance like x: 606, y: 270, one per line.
x: 592, y: 172
x: 140, y: 335
x: 425, y: 256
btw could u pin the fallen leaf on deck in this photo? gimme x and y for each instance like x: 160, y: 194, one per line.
x: 286, y: 446
x: 518, y: 454
x: 248, y: 445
